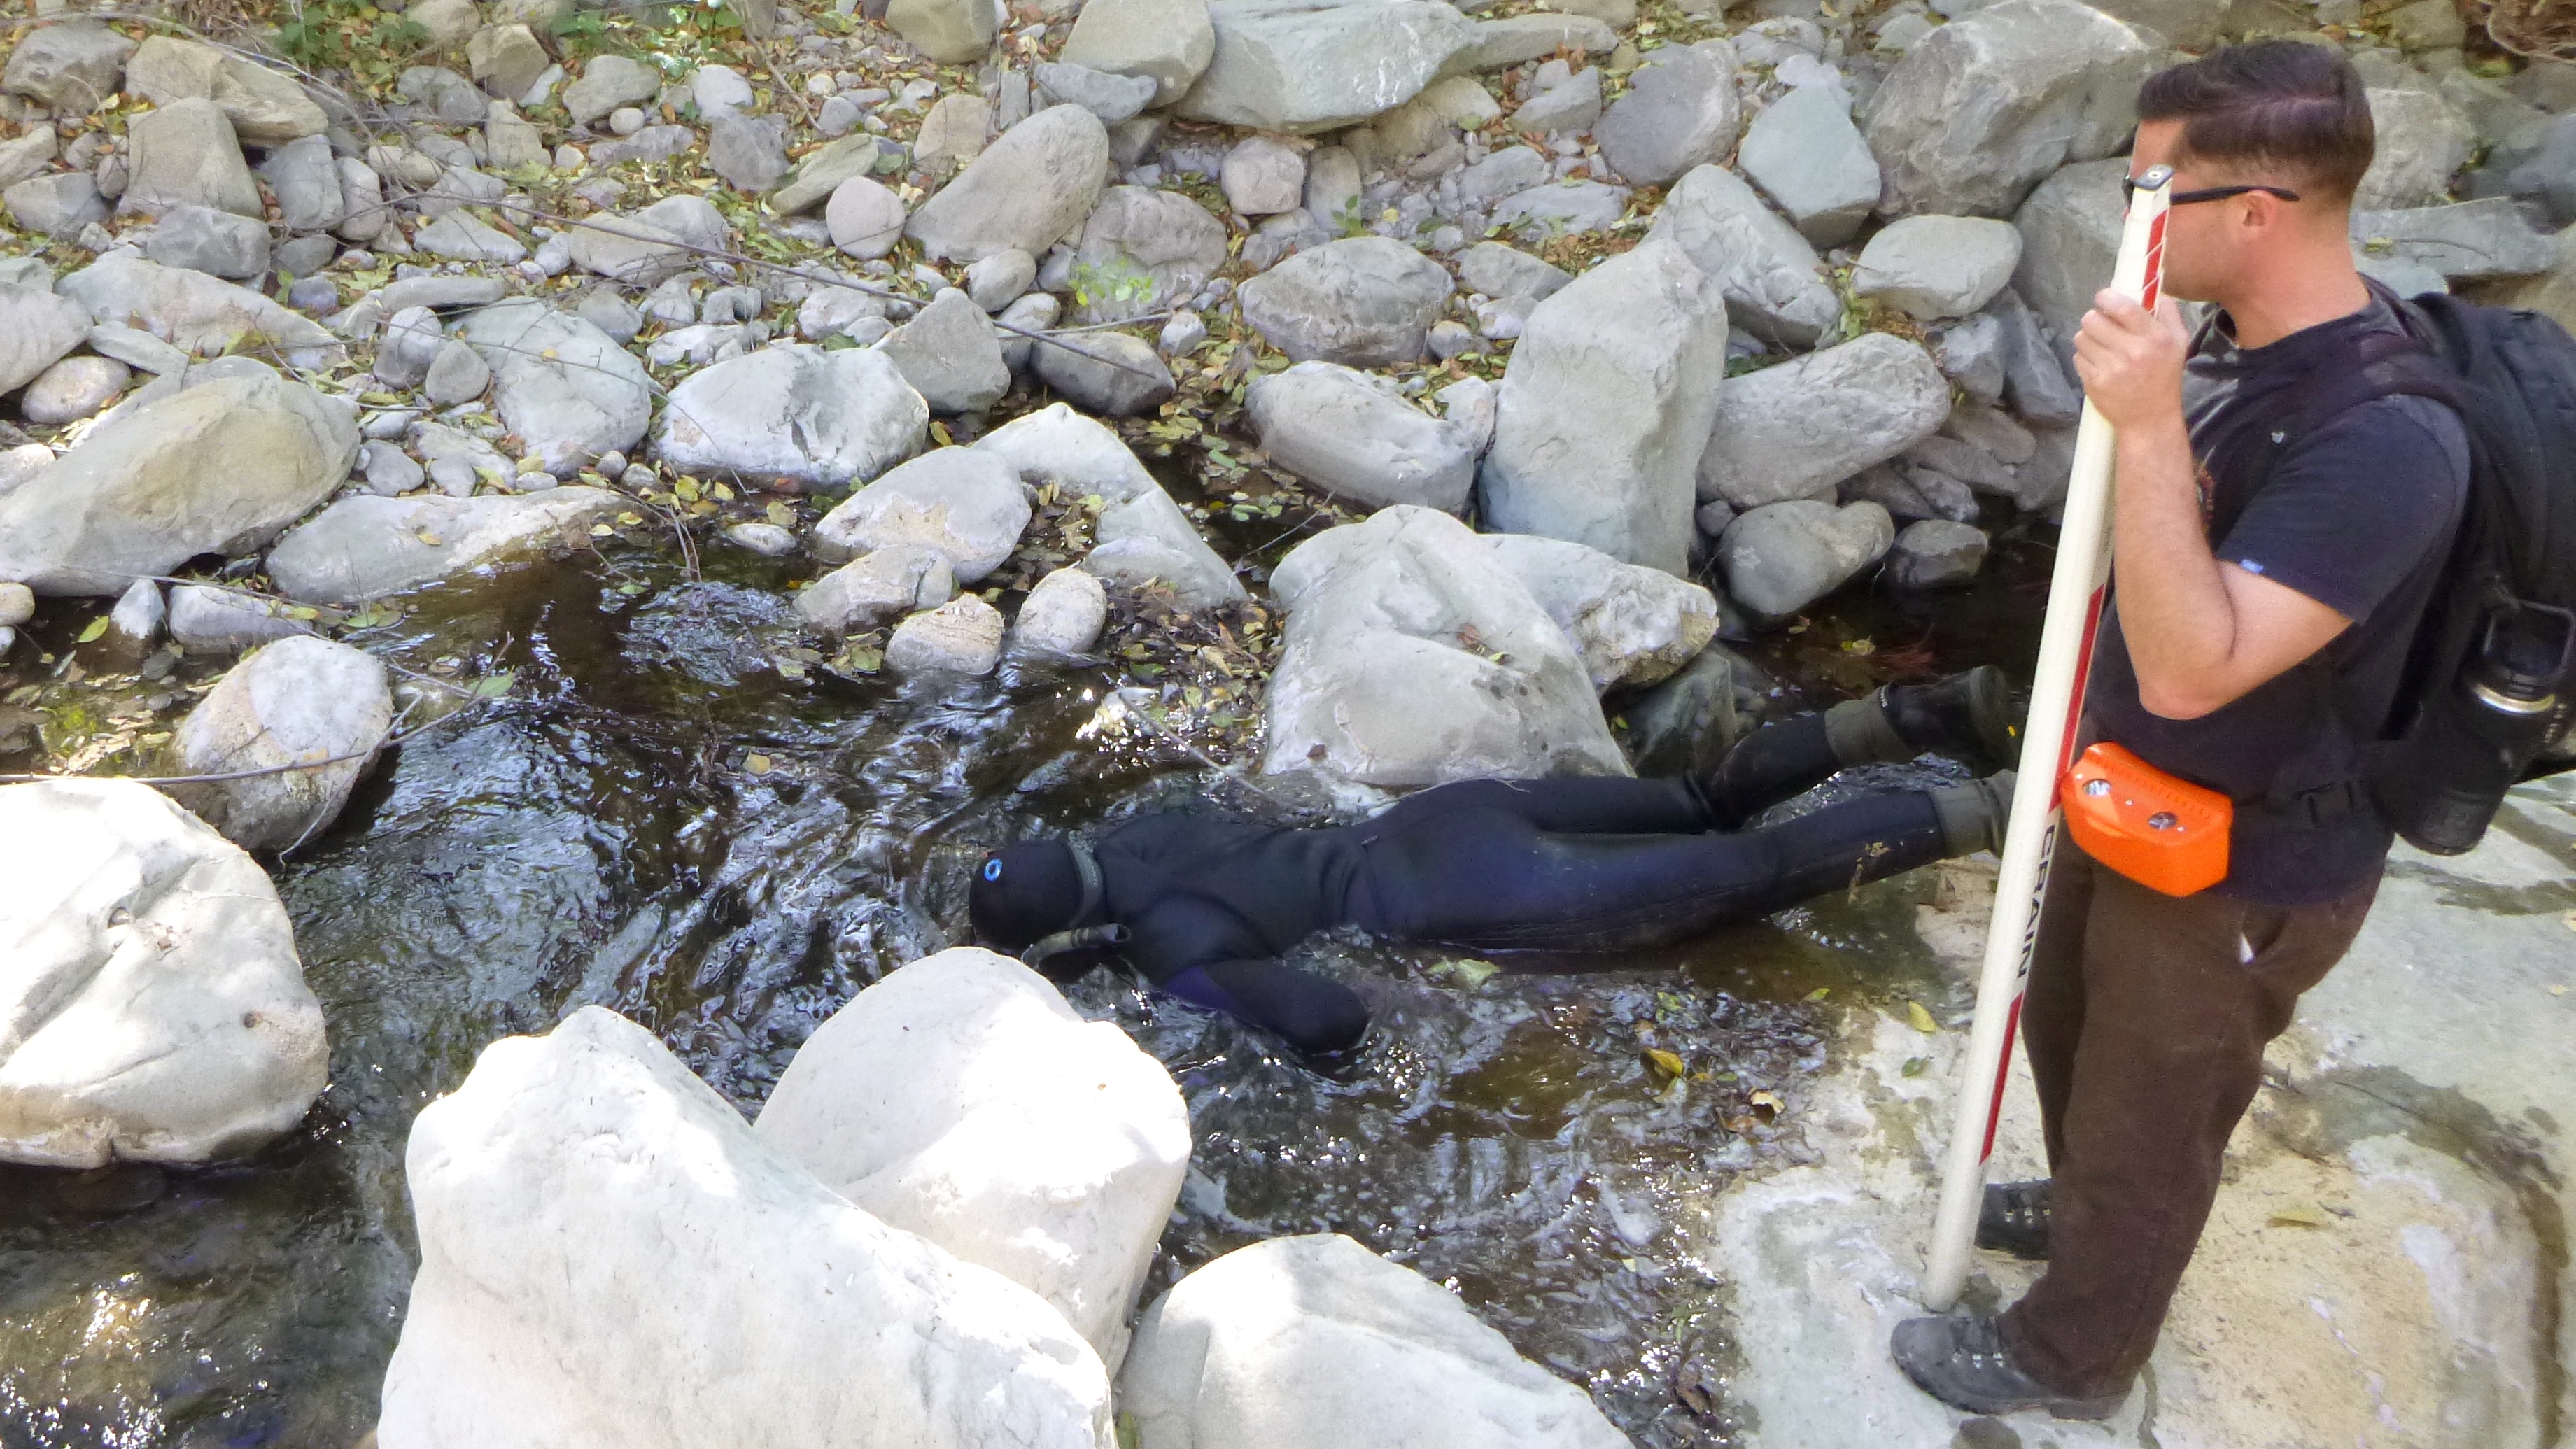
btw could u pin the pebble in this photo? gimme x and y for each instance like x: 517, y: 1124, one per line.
x: 625, y: 121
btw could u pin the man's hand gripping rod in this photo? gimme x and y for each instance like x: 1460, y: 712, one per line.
x: 2076, y: 593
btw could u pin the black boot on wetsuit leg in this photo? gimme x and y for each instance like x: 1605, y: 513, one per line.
x: 1966, y: 716
x: 1973, y: 815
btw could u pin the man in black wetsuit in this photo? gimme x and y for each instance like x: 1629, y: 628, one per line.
x: 1202, y: 907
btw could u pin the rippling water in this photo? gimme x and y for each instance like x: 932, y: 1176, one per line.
x: 602, y: 837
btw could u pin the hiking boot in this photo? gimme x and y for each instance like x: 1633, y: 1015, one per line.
x: 1963, y: 1361
x: 2014, y: 1219
x: 1969, y: 717
x: 1973, y: 814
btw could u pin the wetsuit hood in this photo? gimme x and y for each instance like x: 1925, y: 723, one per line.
x: 1030, y: 890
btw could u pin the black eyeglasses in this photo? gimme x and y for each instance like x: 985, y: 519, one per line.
x: 2129, y: 192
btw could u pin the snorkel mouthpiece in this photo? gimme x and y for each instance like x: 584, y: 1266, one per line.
x: 1083, y: 938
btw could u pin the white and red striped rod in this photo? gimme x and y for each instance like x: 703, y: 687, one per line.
x: 2076, y: 592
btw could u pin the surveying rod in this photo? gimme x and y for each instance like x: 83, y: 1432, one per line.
x: 2076, y: 593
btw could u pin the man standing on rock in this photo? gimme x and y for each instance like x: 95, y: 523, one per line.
x: 2263, y: 610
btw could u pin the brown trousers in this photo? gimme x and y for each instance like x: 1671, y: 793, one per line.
x: 2145, y: 1022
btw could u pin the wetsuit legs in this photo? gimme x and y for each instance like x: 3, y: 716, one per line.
x: 1314, y: 1015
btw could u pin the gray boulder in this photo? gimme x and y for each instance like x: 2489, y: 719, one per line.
x: 1111, y: 97
x: 266, y: 108
x: 1302, y: 66
x: 365, y: 548
x: 1797, y: 429
x: 202, y: 239
x: 206, y: 620
x: 749, y: 152
x: 1503, y: 271
x: 1365, y: 301
x: 1773, y: 282
x: 1971, y: 353
x: 1415, y: 657
x: 506, y: 60
x: 27, y: 154
x: 625, y: 248
x: 192, y: 311
x: 1686, y: 724
x: 1572, y: 104
x: 412, y: 341
x: 952, y: 32
x: 962, y: 636
x: 607, y: 82
x: 1062, y: 616
x: 307, y: 183
x: 1167, y: 41
x: 1605, y: 407
x: 1519, y: 39
x: 1352, y: 435
x: 363, y: 213
x: 70, y: 67
x: 1808, y: 157
x: 1985, y: 106
x: 1000, y: 279
x: 1781, y: 557
x: 463, y: 237
x: 958, y: 125
x: 2070, y: 236
x: 72, y: 389
x: 1680, y: 111
x: 964, y: 504
x: 865, y: 219
x: 1936, y: 553
x: 1142, y: 250
x: 1630, y: 625
x: 876, y: 587
x: 185, y: 154
x: 793, y: 417
x: 1936, y: 267
x: 565, y: 387
x: 1142, y: 536
x: 822, y: 170
x: 216, y: 468
x: 1105, y: 372
x: 1028, y: 190
x: 2036, y: 381
x: 60, y: 205
x: 2473, y: 241
x: 294, y: 702
x: 1264, y: 176
x: 2422, y: 143
x: 37, y: 329
x: 951, y: 355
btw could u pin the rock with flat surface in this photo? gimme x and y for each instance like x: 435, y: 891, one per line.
x: 1572, y: 104
x: 1142, y: 536
x: 1519, y: 39
x: 565, y: 387
x: 2472, y: 241
x: 1111, y: 97
x: 1983, y: 108
x: 1062, y: 616
x: 209, y: 620
x: 1501, y: 271
x: 1167, y: 41
x: 794, y: 416
x: 962, y: 636
x: 1365, y: 301
x: 1936, y: 553
x: 2070, y: 235
x: 2422, y: 143
x: 37, y: 329
x: 506, y: 60
x: 1774, y: 284
x: 1264, y: 176
x: 1605, y: 407
x: 365, y: 548
x: 952, y: 32
x: 218, y: 243
x: 296, y: 701
x: 1797, y: 429
x: 1781, y: 557
x: 1109, y: 373
x: 71, y: 66
x: 607, y: 82
x: 1303, y: 66
x: 215, y: 468
x: 60, y: 205
x: 306, y: 181
x: 156, y: 1008
x: 1029, y: 189
x: 961, y: 1098
x: 1808, y: 157
x: 956, y: 129
x: 875, y: 588
x: 265, y: 107
x: 1680, y: 111
x: 963, y: 503
x: 190, y: 310
x: 185, y: 154
x: 950, y: 353
x: 1316, y: 1340
x: 1142, y: 250
x: 72, y: 389
x: 591, y: 1213
x: 822, y: 170
x: 749, y: 152
x: 1352, y: 435
x: 1415, y: 657
x: 1936, y: 267
x: 1630, y: 625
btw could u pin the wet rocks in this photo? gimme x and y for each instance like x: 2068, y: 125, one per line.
x: 963, y: 503
x: 1936, y: 267
x: 185, y: 154
x: 961, y: 1098
x: 1317, y: 1340
x: 1313, y: 65
x: 590, y: 1212
x: 157, y: 1009
x: 1353, y: 435
x: 1781, y: 557
x: 962, y: 636
x: 1143, y: 249
x: 1142, y: 536
x: 1808, y: 157
x: 215, y: 468
x: 1630, y: 625
x: 1062, y: 616
x: 1984, y: 107
x: 1605, y: 407
x: 1797, y: 429
x: 190, y: 310
x: 365, y: 548
x: 1414, y: 657
x: 866, y: 219
x: 37, y: 329
x: 296, y: 701
x: 793, y: 415
x: 1364, y: 302
x: 1030, y: 188
x: 205, y: 619
x: 1774, y: 284
x: 1935, y: 553
x: 1680, y: 111
x: 565, y: 387
x: 875, y: 587
x: 1167, y: 41
x: 951, y: 355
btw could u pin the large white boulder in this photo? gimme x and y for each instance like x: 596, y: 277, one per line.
x: 794, y: 415
x: 1353, y: 435
x: 1314, y: 65
x: 960, y: 1098
x: 610, y: 1258
x: 1774, y: 284
x: 1796, y: 430
x: 1025, y: 192
x: 151, y: 1004
x: 299, y: 700
x: 1415, y: 657
x: 193, y: 312
x: 1631, y: 625
x: 965, y: 505
x: 1142, y: 537
x: 366, y: 547
x: 1298, y: 1343
x: 562, y: 385
x: 1605, y: 407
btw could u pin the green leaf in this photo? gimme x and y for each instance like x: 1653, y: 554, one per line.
x: 1914, y: 1067
x: 1922, y: 1020
x: 1668, y: 1063
x: 1820, y: 993
x: 496, y: 684
x: 96, y: 627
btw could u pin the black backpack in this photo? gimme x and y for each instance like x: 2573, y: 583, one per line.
x: 2489, y: 686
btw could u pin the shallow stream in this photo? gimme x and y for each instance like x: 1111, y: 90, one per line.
x: 655, y: 820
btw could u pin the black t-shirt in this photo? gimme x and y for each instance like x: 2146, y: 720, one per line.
x: 2357, y: 516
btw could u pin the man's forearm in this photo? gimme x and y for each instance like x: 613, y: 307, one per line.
x: 2175, y: 611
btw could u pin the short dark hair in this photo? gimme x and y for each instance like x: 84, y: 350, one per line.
x: 2277, y: 105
